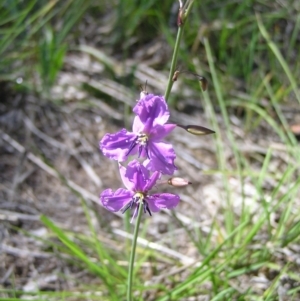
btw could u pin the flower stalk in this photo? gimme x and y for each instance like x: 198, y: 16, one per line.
x: 182, y: 16
x: 173, y: 63
x: 132, y: 253
x: 155, y: 156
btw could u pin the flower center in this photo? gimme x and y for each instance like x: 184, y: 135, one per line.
x: 138, y: 199
x: 141, y: 140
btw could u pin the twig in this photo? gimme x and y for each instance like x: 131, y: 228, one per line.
x: 87, y: 168
x: 7, y: 274
x: 23, y: 253
x: 86, y: 194
x: 15, y: 216
x: 16, y: 178
x: 154, y: 246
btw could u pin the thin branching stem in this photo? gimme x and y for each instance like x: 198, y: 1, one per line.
x: 188, y: 6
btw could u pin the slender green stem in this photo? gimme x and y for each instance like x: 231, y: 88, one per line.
x: 132, y: 254
x: 188, y: 6
x: 176, y: 49
x: 127, y: 226
x: 173, y: 63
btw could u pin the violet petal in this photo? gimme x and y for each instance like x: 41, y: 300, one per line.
x: 160, y: 131
x: 116, y: 146
x: 162, y: 201
x: 152, y: 107
x: 115, y: 201
x: 137, y: 174
x: 129, y: 184
x: 152, y: 181
x: 162, y: 156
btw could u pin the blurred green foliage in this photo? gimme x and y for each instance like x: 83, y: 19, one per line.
x: 36, y: 35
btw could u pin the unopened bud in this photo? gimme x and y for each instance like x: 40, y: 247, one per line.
x: 196, y: 129
x: 178, y: 182
x: 143, y: 94
x: 144, y: 91
x: 180, y: 14
x: 175, y: 76
x: 203, y: 82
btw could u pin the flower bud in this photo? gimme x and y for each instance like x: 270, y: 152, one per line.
x: 143, y: 94
x: 196, y: 129
x: 180, y: 14
x: 203, y: 82
x: 178, y: 182
x: 144, y: 91
x: 175, y: 76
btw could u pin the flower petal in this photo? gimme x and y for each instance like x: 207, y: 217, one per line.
x: 152, y: 181
x: 115, y: 201
x: 162, y: 201
x: 128, y: 184
x: 137, y: 125
x: 137, y: 174
x: 116, y: 146
x: 162, y: 156
x: 152, y: 110
x: 160, y: 131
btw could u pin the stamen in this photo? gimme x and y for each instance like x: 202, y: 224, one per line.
x: 142, y: 140
x: 146, y: 208
x: 147, y: 151
x: 140, y: 150
x: 128, y: 206
x: 132, y: 145
x: 137, y: 199
x: 134, y: 213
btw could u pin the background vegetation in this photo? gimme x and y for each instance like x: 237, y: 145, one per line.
x: 88, y: 58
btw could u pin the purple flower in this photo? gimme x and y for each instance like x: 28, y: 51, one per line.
x: 148, y: 129
x: 138, y: 182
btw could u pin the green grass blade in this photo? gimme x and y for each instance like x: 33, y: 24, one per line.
x: 279, y: 56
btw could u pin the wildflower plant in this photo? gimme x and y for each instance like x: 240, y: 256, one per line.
x: 155, y: 156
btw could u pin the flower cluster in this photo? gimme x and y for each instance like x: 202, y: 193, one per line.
x: 156, y: 156
x: 148, y: 129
